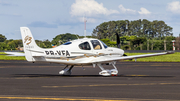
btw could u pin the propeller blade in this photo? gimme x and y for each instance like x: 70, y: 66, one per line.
x: 118, y: 40
x: 124, y: 55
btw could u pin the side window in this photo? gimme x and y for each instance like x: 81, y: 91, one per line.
x: 96, y: 44
x: 85, y: 46
x: 67, y: 43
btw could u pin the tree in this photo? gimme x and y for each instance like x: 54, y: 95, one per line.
x: 3, y: 46
x: 47, y: 44
x: 140, y: 28
x: 13, y: 44
x: 177, y: 43
x: 44, y: 44
x: 101, y: 31
x: 136, y: 27
x: 2, y: 38
x: 39, y: 43
x: 109, y: 43
x: 62, y: 38
x: 169, y: 44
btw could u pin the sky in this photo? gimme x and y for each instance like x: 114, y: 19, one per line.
x: 49, y: 18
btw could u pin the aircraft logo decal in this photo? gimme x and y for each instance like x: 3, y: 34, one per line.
x: 27, y: 40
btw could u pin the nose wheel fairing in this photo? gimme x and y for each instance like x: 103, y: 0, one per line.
x: 66, y: 70
x: 105, y: 73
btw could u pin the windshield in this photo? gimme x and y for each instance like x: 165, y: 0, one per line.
x: 105, y: 46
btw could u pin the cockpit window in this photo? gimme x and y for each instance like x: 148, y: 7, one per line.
x: 85, y: 46
x: 67, y: 43
x: 105, y: 46
x: 96, y: 44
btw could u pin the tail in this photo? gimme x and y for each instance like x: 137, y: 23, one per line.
x: 29, y: 44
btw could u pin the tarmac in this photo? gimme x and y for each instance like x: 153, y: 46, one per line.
x: 136, y: 81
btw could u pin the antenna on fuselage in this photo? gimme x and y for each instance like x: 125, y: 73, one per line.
x: 85, y: 26
x: 76, y: 36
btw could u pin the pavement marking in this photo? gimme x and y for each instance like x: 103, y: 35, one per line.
x: 175, y: 83
x: 2, y: 67
x: 12, y: 66
x: 79, y: 99
x: 137, y: 75
x: 70, y: 99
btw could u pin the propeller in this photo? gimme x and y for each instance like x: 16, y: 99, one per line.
x: 118, y: 42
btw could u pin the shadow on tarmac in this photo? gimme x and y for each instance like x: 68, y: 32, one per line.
x: 51, y: 75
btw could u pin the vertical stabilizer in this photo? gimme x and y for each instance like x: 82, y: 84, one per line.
x: 28, y: 43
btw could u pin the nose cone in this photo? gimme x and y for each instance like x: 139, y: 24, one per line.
x: 120, y: 51
x: 117, y: 50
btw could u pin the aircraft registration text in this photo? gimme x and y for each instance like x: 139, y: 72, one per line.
x: 59, y: 52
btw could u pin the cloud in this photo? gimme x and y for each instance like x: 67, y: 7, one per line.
x: 124, y: 10
x: 89, y: 8
x: 42, y: 24
x: 144, y: 11
x: 89, y: 19
x: 174, y: 7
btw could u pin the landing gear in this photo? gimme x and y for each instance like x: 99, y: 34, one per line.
x: 66, y: 70
x: 114, y: 71
x: 106, y: 72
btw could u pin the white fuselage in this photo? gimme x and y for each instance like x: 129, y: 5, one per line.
x: 78, y: 52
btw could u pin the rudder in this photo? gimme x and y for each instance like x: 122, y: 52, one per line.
x: 28, y: 43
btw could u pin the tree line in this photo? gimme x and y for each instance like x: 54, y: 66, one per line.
x: 134, y: 35
x: 142, y: 43
x: 17, y: 44
x: 139, y: 28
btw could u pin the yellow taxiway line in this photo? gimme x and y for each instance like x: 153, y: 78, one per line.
x: 78, y: 99
x: 97, y: 85
x: 69, y: 99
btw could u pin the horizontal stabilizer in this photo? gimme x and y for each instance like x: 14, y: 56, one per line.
x: 14, y: 54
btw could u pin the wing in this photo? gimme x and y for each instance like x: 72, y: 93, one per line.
x: 14, y: 54
x: 131, y: 57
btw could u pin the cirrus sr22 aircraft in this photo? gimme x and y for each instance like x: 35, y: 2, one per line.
x: 79, y: 52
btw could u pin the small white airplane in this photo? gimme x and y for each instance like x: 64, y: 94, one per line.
x: 79, y: 52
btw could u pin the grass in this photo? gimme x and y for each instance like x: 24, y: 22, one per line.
x: 2, y: 53
x: 163, y: 58
x: 5, y: 57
